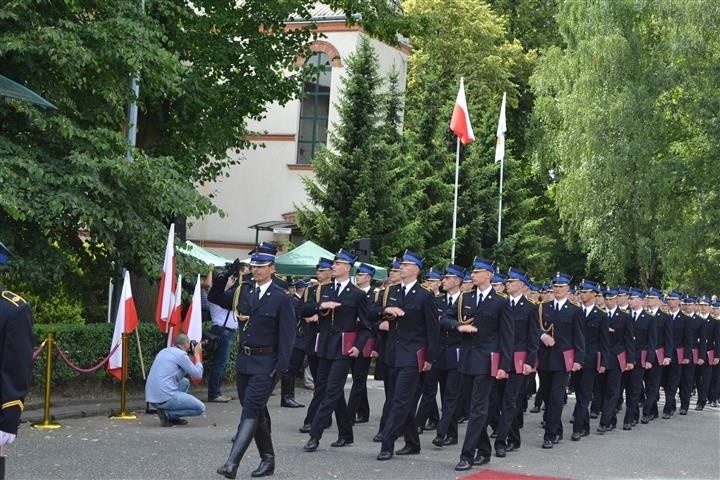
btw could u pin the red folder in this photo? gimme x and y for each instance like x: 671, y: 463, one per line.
x: 569, y: 356
x: 696, y: 355
x: 622, y: 359
x: 422, y: 357
x: 519, y: 360
x: 494, y: 363
x: 369, y: 347
x: 681, y: 354
x: 643, y: 358
x: 711, y: 356
x: 660, y: 352
x: 599, y: 361
x: 348, y: 341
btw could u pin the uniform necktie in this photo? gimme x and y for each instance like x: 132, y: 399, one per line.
x: 512, y: 303
x: 449, y: 301
x: 257, y: 293
x: 337, y: 289
x: 556, y: 307
x: 634, y: 316
x: 404, y: 291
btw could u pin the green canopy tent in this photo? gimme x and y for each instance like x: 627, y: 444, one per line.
x: 11, y: 89
x: 203, y: 255
x: 301, y: 261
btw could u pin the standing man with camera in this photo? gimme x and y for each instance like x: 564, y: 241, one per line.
x: 266, y: 335
x: 166, y: 387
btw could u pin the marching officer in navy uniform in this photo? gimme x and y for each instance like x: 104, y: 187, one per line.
x: 411, y: 348
x: 266, y: 335
x: 663, y: 355
x: 681, y: 342
x: 714, y: 394
x: 16, y: 359
x: 511, y: 392
x: 704, y: 371
x: 287, y: 382
x: 343, y: 330
x: 622, y: 339
x: 645, y: 331
x: 562, y: 346
x: 448, y: 358
x: 696, y: 340
x: 323, y: 272
x: 358, y: 404
x: 597, y: 347
x: 484, y: 319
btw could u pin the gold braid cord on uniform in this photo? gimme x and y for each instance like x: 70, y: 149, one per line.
x: 239, y: 316
x: 461, y: 319
x: 549, y: 330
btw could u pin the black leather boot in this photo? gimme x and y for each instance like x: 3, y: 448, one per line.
x: 243, y: 437
x: 263, y: 441
x: 287, y: 392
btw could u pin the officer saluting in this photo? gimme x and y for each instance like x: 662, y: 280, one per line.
x: 16, y: 357
x: 266, y: 334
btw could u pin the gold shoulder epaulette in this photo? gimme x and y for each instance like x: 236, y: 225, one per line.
x: 534, y: 302
x: 428, y: 288
x: 13, y: 298
x: 624, y: 310
x: 575, y: 303
x: 503, y: 295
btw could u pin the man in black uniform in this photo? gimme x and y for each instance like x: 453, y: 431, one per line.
x: 287, y: 383
x: 695, y: 356
x: 663, y: 355
x: 562, y: 341
x: 266, y: 335
x: 681, y: 344
x: 704, y: 371
x: 484, y: 318
x: 411, y: 348
x: 597, y: 357
x: 16, y: 358
x: 447, y: 360
x: 343, y: 330
x: 511, y: 392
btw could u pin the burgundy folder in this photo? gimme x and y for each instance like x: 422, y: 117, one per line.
x: 696, y: 355
x: 569, y: 356
x: 422, y: 357
x: 622, y: 359
x: 681, y: 354
x: 369, y: 347
x: 660, y: 352
x: 711, y: 356
x: 494, y: 363
x: 599, y: 361
x: 519, y: 360
x: 643, y: 358
x: 348, y: 341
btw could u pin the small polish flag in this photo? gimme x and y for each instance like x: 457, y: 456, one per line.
x: 460, y: 121
x: 126, y: 321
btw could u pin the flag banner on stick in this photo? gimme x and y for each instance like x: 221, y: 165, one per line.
x: 502, y: 128
x: 126, y: 321
x: 175, y: 318
x: 460, y: 121
x: 165, y: 300
x: 192, y: 326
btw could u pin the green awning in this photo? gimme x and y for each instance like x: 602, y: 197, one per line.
x: 203, y: 255
x: 11, y: 89
x: 301, y: 261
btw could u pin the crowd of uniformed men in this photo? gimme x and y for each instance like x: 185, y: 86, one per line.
x: 480, y: 337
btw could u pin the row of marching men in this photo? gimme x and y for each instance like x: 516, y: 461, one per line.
x: 482, y: 340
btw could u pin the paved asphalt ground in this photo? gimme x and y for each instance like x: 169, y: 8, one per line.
x: 97, y: 447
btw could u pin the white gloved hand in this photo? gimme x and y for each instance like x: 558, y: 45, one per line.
x: 6, y: 438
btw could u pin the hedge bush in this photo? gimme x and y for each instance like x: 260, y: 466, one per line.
x: 86, y: 345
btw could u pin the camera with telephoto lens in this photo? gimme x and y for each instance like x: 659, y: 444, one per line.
x: 230, y: 270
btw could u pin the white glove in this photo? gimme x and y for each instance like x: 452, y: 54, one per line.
x: 6, y: 438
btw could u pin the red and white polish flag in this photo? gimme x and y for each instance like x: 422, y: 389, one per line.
x: 175, y: 318
x: 192, y: 326
x: 126, y: 321
x: 165, y: 301
x: 460, y: 121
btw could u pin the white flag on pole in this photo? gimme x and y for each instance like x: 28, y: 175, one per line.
x: 502, y: 128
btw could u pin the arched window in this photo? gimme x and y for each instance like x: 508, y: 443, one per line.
x: 314, y: 109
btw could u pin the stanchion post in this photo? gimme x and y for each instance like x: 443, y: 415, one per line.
x: 47, y: 423
x: 123, y: 415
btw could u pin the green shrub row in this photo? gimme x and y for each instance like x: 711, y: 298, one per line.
x: 86, y: 345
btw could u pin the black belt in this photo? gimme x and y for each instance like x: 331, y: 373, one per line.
x: 249, y: 351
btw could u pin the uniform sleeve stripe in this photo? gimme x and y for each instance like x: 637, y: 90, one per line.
x: 13, y: 403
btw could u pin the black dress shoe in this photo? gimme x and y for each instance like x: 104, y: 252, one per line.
x: 289, y: 401
x: 438, y: 441
x: 377, y: 438
x: 601, y: 429
x: 683, y: 411
x: 407, y: 450
x: 450, y: 441
x: 512, y: 447
x: 714, y: 404
x: 481, y: 459
x: 361, y: 420
x: 575, y: 436
x: 311, y: 444
x: 633, y: 423
x: 557, y: 438
x: 463, y: 465
x: 665, y: 416
x: 341, y: 442
x: 627, y: 426
x: 645, y: 420
x: 178, y: 421
x: 305, y: 428
x: 594, y: 415
x: 535, y: 409
x: 430, y: 425
x: 500, y: 452
x: 699, y: 407
x: 547, y: 444
x: 384, y: 455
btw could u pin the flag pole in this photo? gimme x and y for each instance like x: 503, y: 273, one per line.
x: 499, y: 229
x: 455, y: 203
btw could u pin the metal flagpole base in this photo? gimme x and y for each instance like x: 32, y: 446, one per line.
x: 46, y: 425
x: 124, y: 416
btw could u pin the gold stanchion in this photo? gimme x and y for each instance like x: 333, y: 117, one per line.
x: 46, y: 422
x: 123, y: 415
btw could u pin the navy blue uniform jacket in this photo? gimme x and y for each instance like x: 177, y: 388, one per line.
x: 568, y: 331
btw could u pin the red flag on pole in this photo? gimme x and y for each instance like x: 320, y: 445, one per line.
x: 125, y: 322
x: 192, y: 326
x: 460, y: 121
x: 165, y: 301
x: 175, y: 318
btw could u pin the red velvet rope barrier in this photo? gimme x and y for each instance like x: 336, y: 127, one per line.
x: 39, y: 349
x: 85, y: 370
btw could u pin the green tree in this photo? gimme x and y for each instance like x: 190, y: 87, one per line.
x: 359, y: 188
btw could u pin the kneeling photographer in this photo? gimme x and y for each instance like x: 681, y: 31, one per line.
x: 224, y: 327
x: 167, y: 386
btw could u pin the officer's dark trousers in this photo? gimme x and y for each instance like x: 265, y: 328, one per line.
x: 598, y: 396
x: 295, y: 364
x: 513, y: 437
x: 509, y: 393
x: 312, y: 408
x: 476, y: 436
x: 652, y: 389
x: 382, y: 372
x: 401, y: 413
x: 633, y: 384
x: 542, y: 392
x: 674, y: 371
x: 714, y: 394
x: 330, y: 388
x: 358, y: 404
x: 687, y: 380
x: 705, y: 372
x: 583, y: 396
x: 612, y: 392
x: 449, y: 381
x: 426, y: 399
x: 253, y: 392
x: 555, y: 383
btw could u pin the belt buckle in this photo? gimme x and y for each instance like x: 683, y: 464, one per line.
x: 246, y: 350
